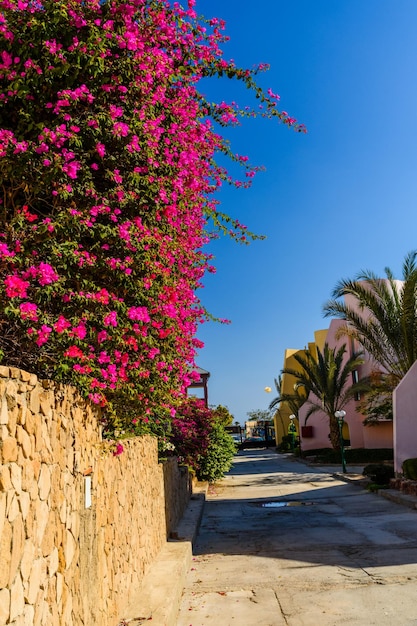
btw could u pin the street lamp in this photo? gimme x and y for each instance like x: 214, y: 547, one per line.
x: 340, y: 416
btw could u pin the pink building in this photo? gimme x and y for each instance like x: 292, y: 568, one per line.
x: 405, y: 418
x: 314, y: 433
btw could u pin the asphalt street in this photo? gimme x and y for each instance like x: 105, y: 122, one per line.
x: 283, y: 543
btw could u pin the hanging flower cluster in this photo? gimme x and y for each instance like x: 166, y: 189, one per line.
x: 107, y: 170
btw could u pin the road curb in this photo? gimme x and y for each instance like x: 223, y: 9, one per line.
x: 399, y: 498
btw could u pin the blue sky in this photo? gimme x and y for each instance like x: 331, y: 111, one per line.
x: 340, y: 199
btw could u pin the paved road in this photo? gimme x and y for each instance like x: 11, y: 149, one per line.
x: 282, y: 543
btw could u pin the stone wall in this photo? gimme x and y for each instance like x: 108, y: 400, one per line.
x: 79, y: 526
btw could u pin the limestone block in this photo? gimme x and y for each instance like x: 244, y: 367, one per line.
x: 15, y: 373
x: 4, y: 371
x: 11, y: 392
x: 59, y: 587
x: 35, y: 581
x: 4, y: 412
x: 4, y: 605
x: 6, y: 553
x: 24, y: 504
x: 24, y: 440
x: 63, y: 512
x: 33, y: 380
x: 16, y: 477
x: 45, y: 399
x: 26, y: 563
x: 20, y: 397
x: 49, y: 535
x: 75, y: 524
x: 18, y: 544
x: 9, y: 450
x: 53, y: 562
x: 67, y: 612
x: 5, y: 481
x: 3, y: 503
x: 30, y: 522
x: 34, y: 403
x: 28, y: 477
x: 36, y: 465
x: 20, y: 456
x: 70, y: 548
x: 12, y: 507
x: 44, y: 482
x: 41, y: 517
x: 56, y: 496
x: 28, y: 615
x: 25, y: 376
x: 39, y: 443
x: 51, y: 595
x: 41, y: 613
x: 30, y: 422
x: 4, y: 433
x: 17, y: 599
x: 12, y: 423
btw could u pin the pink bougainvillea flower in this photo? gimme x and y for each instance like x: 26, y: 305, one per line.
x: 28, y: 311
x: 111, y: 319
x: 61, y: 324
x: 43, y: 335
x: 101, y: 149
x: 71, y: 168
x: 138, y: 313
x: 16, y: 287
x: 46, y: 274
x: 74, y: 352
x: 119, y: 449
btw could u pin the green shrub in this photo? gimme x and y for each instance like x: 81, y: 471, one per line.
x: 287, y: 444
x: 379, y: 473
x: 218, y: 457
x: 409, y: 468
x: 352, y: 455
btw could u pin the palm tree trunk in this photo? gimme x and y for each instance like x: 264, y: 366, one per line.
x: 334, y: 433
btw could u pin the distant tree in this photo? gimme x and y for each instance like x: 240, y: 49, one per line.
x: 259, y: 415
x: 222, y: 415
x: 327, y: 383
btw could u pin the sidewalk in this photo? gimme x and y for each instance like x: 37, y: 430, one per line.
x: 354, y: 475
x: 159, y: 597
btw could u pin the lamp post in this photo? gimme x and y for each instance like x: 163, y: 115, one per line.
x: 340, y: 416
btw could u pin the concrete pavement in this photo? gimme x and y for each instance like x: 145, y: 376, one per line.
x: 285, y: 542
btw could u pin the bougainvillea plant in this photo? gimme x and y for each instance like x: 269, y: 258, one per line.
x: 108, y: 170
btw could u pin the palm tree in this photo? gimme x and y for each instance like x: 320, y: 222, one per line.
x: 384, y: 320
x: 294, y: 400
x: 327, y: 383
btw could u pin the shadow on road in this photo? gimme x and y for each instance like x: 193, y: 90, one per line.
x: 311, y: 518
